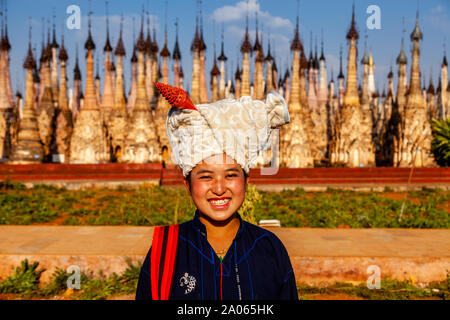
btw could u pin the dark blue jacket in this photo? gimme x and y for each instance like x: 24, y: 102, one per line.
x: 256, y: 266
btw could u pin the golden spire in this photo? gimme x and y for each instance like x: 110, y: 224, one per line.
x: 351, y: 95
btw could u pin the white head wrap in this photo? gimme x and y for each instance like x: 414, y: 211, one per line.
x: 239, y: 128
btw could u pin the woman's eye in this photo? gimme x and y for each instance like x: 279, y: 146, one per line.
x: 205, y: 177
x: 232, y: 175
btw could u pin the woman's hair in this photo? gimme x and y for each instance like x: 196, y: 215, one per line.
x: 188, y: 178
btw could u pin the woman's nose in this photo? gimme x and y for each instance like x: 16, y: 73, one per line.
x: 219, y: 186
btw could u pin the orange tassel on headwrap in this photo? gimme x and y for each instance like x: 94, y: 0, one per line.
x: 177, y: 97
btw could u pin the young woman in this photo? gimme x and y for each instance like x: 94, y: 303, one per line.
x: 218, y: 255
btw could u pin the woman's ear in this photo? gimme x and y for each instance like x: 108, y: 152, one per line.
x: 186, y: 184
x: 246, y: 182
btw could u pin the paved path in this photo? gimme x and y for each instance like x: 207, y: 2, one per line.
x: 319, y: 256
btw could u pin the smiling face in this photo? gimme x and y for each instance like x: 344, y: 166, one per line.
x: 217, y: 186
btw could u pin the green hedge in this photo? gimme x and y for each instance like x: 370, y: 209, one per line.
x: 155, y: 205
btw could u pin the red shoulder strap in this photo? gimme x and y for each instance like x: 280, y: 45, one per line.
x: 169, y: 263
x: 155, y: 256
x: 163, y: 257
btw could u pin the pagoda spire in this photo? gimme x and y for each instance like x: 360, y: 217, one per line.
x: 54, y: 63
x: 76, y: 97
x: 149, y: 61
x: 176, y: 56
x: 97, y: 79
x: 195, y: 45
x: 107, y: 48
x: 402, y: 77
x: 120, y: 48
x: 149, y: 37
x: 312, y: 78
x: 140, y: 44
x: 416, y: 135
x: 119, y: 99
x: 296, y: 44
x: 54, y: 43
x: 4, y: 39
x: 341, y: 74
x: 351, y: 145
x: 444, y: 96
x: 64, y: 119
x: 90, y: 143
x: 30, y: 62
x: 296, y: 47
x: 444, y: 59
x: 246, y: 49
x: 258, y: 84
x: 133, y: 58
x: 257, y: 47
x: 269, y: 70
x: 237, y: 78
x: 365, y: 61
x: 46, y: 107
x: 316, y: 60
x: 414, y: 93
x: 202, y: 78
x: 76, y: 70
x: 222, y: 58
x: 117, y: 125
x: 155, y: 65
x: 322, y: 56
x: 351, y: 96
x: 107, y: 99
x: 89, y: 44
x: 90, y: 98
x: 352, y: 31
x: 29, y: 148
x: 63, y: 57
x: 295, y: 144
x: 323, y: 83
x: 141, y: 91
x: 195, y: 49
x: 165, y: 53
x: 133, y: 87
x: 340, y: 79
x: 202, y: 40
x: 215, y: 72
x: 246, y: 46
x: 6, y: 47
x: 142, y: 143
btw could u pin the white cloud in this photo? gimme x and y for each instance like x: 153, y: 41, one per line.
x: 239, y: 11
x: 438, y: 18
x: 235, y: 31
x: 437, y: 9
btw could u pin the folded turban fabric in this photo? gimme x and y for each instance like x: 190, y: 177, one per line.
x: 239, y: 128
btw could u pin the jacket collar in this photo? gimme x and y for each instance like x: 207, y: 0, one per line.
x: 202, y: 229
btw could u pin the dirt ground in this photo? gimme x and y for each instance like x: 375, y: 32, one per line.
x: 316, y: 296
x: 339, y: 296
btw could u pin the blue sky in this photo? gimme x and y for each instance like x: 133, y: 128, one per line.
x: 276, y: 18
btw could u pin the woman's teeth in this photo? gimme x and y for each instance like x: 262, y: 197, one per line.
x: 220, y: 202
